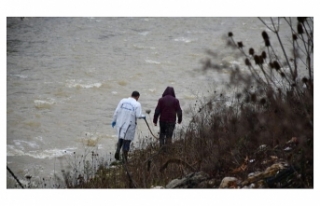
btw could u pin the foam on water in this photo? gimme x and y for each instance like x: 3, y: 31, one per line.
x: 40, y: 154
x: 145, y: 33
x: 44, y: 104
x: 183, y: 39
x: 152, y: 90
x: 152, y: 61
x: 78, y: 84
x: 22, y: 144
x: 21, y: 76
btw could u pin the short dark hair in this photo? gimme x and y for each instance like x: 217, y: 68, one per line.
x: 135, y: 94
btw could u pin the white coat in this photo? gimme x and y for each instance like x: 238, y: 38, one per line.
x: 125, y: 116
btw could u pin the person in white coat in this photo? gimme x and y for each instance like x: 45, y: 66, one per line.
x: 125, y: 119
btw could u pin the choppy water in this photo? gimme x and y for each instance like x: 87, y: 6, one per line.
x: 65, y: 77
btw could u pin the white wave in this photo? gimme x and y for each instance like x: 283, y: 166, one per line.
x: 44, y: 103
x: 78, y: 84
x: 145, y: 33
x: 190, y: 96
x: 11, y: 151
x: 40, y: 154
x: 152, y: 90
x: 21, y: 76
x: 152, y: 62
x: 183, y: 39
x: 21, y: 144
x: 50, y: 154
x: 39, y: 138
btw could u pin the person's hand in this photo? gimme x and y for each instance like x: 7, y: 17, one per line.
x: 113, y: 124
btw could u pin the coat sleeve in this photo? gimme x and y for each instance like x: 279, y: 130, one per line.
x: 179, y: 112
x: 157, y: 112
x: 138, y: 110
x: 116, y: 112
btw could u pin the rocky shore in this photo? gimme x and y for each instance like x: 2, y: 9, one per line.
x: 278, y: 175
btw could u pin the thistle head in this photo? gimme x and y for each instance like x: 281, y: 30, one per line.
x: 256, y: 59
x: 305, y: 80
x: 267, y: 42
x: 251, y: 51
x: 276, y: 65
x: 294, y: 37
x: 240, y: 45
x: 265, y: 35
x: 301, y: 19
x: 300, y: 28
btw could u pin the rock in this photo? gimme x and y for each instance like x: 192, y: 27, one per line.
x: 262, y: 147
x: 293, y: 140
x: 207, y: 184
x: 274, y: 174
x: 192, y: 180
x: 196, y: 179
x: 229, y: 182
x: 176, y: 183
x: 278, y: 175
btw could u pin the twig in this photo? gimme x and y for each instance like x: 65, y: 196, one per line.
x: 132, y: 184
x: 179, y: 162
x: 15, y: 177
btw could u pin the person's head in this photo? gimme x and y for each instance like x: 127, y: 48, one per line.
x: 169, y: 91
x: 135, y: 95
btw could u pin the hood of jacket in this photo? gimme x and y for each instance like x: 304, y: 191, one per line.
x: 169, y: 91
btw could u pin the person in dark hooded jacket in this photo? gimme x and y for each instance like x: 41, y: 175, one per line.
x: 168, y: 109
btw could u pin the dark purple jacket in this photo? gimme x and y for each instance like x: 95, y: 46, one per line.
x: 168, y: 107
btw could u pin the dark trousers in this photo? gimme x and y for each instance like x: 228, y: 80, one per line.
x: 166, y: 132
x: 125, y: 145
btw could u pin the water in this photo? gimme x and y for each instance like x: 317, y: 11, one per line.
x: 65, y: 77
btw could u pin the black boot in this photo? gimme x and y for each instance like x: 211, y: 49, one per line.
x: 117, y: 155
x: 119, y: 145
x: 161, y: 141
